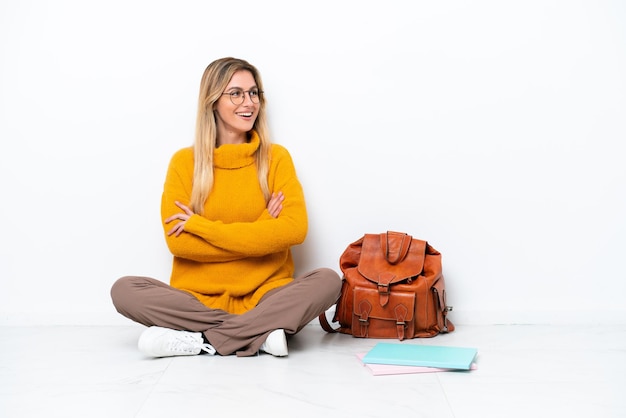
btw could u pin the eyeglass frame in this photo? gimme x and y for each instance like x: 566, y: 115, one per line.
x: 243, y: 95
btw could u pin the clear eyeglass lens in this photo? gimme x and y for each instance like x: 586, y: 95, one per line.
x: 238, y: 97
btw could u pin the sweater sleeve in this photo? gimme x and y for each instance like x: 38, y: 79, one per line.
x: 178, y: 188
x: 266, y: 235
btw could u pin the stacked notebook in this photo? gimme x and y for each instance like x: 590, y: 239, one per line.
x: 398, y: 358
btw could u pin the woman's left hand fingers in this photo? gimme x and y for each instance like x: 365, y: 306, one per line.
x: 179, y: 216
x: 182, y: 217
x: 177, y: 229
x: 184, y: 208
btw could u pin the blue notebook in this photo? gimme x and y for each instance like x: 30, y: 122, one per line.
x: 421, y: 355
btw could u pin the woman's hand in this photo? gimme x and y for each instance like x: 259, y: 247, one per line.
x: 182, y: 217
x: 275, y: 205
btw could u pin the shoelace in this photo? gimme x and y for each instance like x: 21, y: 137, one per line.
x: 187, y: 343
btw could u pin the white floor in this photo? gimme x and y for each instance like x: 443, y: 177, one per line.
x: 523, y: 371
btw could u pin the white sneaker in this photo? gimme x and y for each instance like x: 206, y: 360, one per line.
x: 275, y: 344
x: 166, y: 342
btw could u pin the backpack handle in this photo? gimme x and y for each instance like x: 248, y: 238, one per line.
x: 393, y: 251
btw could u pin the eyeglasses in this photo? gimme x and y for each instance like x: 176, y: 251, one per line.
x: 238, y: 96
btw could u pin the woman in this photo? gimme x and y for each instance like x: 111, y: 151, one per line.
x: 232, y: 207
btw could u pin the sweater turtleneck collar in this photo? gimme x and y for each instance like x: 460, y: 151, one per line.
x: 237, y: 155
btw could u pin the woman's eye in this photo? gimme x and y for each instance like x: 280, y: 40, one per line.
x: 254, y: 93
x: 235, y: 94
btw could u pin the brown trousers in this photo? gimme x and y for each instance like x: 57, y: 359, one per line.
x: 290, y: 307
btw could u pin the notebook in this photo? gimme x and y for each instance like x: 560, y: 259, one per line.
x: 421, y: 355
x: 387, y: 369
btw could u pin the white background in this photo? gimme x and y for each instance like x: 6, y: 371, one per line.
x: 492, y: 129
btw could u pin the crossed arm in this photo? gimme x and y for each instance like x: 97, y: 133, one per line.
x: 274, y: 207
x: 191, y: 236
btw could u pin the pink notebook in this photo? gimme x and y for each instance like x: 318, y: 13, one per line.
x: 386, y: 369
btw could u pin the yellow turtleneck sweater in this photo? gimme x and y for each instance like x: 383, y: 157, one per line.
x: 236, y: 252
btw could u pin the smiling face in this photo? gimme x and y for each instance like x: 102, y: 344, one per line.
x: 234, y: 121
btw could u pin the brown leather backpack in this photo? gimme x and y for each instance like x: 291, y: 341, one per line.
x: 393, y: 287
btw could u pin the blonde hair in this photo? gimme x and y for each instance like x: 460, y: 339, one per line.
x: 214, y: 81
